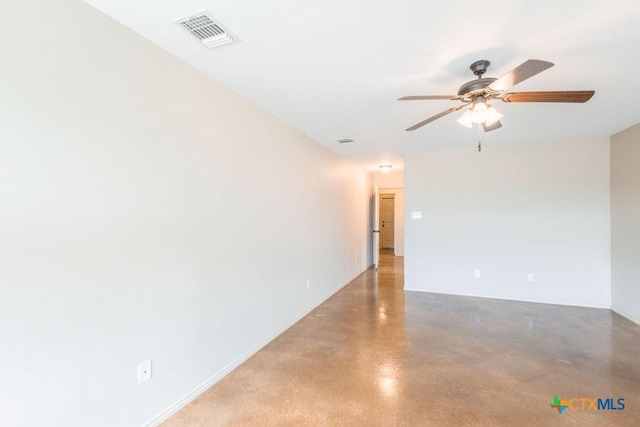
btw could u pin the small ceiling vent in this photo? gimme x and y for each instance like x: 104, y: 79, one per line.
x: 206, y: 28
x: 345, y: 141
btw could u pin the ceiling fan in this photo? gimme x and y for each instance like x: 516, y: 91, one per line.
x: 477, y: 93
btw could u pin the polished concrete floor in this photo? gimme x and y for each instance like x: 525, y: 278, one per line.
x: 378, y: 356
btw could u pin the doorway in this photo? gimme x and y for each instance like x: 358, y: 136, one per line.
x: 387, y: 221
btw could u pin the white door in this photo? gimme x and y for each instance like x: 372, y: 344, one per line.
x: 376, y: 230
x: 387, y: 225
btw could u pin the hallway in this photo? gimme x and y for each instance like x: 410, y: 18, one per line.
x: 375, y: 355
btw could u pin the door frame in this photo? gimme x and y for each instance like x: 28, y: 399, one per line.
x: 376, y: 229
x: 380, y: 197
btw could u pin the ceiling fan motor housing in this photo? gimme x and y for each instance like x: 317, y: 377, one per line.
x: 476, y: 85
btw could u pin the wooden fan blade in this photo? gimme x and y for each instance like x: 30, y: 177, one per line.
x: 420, y: 98
x: 560, y: 96
x: 436, y: 117
x: 519, y: 74
x: 496, y: 125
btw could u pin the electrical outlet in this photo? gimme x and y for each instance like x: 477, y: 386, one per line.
x: 476, y: 273
x: 144, y: 371
x: 308, y: 284
x: 530, y: 277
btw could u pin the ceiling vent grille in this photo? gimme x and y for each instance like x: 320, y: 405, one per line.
x: 206, y: 29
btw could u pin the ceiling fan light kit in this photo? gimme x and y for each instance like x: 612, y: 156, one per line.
x: 477, y: 93
x: 481, y: 112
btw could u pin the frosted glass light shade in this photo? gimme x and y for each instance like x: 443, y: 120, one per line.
x: 465, y: 119
x: 492, y: 116
x: 479, y: 112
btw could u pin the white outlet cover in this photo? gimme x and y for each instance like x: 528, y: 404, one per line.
x: 476, y: 273
x: 144, y: 371
x: 530, y: 277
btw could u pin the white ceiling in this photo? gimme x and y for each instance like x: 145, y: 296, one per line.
x: 335, y: 68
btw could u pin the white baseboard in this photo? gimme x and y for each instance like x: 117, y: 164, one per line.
x: 164, y: 415
x: 634, y: 319
x: 599, y: 306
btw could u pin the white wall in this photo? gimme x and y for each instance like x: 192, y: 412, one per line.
x: 146, y: 211
x: 391, y: 179
x: 625, y: 223
x: 510, y: 211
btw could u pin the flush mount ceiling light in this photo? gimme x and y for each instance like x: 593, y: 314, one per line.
x: 385, y: 168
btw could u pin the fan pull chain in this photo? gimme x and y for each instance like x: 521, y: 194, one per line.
x: 479, y: 141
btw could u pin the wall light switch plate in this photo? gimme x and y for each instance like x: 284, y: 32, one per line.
x: 530, y: 277
x: 144, y: 372
x: 416, y: 214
